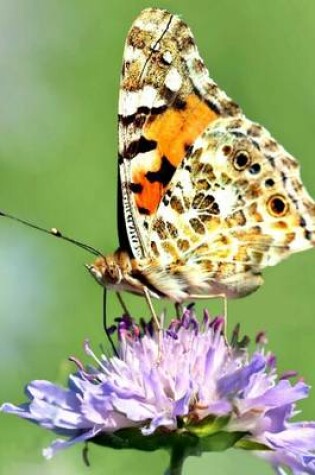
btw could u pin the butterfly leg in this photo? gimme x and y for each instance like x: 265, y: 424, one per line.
x: 150, y: 305
x: 122, y: 304
x: 157, y: 322
x: 225, y: 305
x: 146, y: 293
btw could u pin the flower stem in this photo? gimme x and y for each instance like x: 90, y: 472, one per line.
x: 178, y: 456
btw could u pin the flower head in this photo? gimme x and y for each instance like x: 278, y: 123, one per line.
x: 187, y: 387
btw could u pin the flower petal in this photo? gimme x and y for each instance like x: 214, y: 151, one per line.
x: 237, y: 381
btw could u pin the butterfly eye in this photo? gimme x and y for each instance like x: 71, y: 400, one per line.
x: 277, y: 206
x: 241, y: 160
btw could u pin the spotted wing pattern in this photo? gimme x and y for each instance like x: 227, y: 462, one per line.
x: 235, y: 205
x: 167, y: 100
x: 209, y: 197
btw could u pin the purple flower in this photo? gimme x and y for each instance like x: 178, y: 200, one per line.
x: 186, y: 387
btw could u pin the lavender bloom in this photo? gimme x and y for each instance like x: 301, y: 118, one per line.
x: 199, y: 394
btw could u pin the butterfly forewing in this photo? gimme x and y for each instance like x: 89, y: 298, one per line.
x: 166, y: 101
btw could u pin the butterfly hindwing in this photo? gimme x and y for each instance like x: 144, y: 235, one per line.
x: 235, y: 205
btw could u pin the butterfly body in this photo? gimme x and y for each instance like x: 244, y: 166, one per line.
x: 207, y: 198
x: 178, y: 283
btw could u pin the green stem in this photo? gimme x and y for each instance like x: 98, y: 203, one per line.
x: 178, y: 456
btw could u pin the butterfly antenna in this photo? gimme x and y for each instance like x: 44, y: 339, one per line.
x: 54, y: 232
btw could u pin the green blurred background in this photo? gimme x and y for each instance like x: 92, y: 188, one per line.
x: 60, y: 62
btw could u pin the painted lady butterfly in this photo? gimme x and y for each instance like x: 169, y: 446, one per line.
x: 207, y: 198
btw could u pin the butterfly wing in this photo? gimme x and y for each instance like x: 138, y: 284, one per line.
x: 167, y: 100
x: 208, y: 196
x: 235, y: 205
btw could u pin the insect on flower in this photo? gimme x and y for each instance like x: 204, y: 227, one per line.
x: 207, y: 198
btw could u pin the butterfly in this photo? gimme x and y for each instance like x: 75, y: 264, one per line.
x: 206, y: 198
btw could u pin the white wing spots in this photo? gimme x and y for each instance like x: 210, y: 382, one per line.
x: 148, y: 96
x: 132, y: 54
x: 199, y: 143
x: 208, y: 157
x: 149, y: 26
x: 155, y: 46
x: 168, y: 214
x: 167, y: 57
x: 183, y: 178
x: 173, y: 80
x: 130, y: 101
x: 220, y: 159
x: 226, y: 198
x: 140, y: 162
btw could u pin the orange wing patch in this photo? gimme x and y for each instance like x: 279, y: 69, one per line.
x: 150, y: 194
x: 174, y: 131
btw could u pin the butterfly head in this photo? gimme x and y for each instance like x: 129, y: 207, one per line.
x: 115, y: 271
x: 106, y: 271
